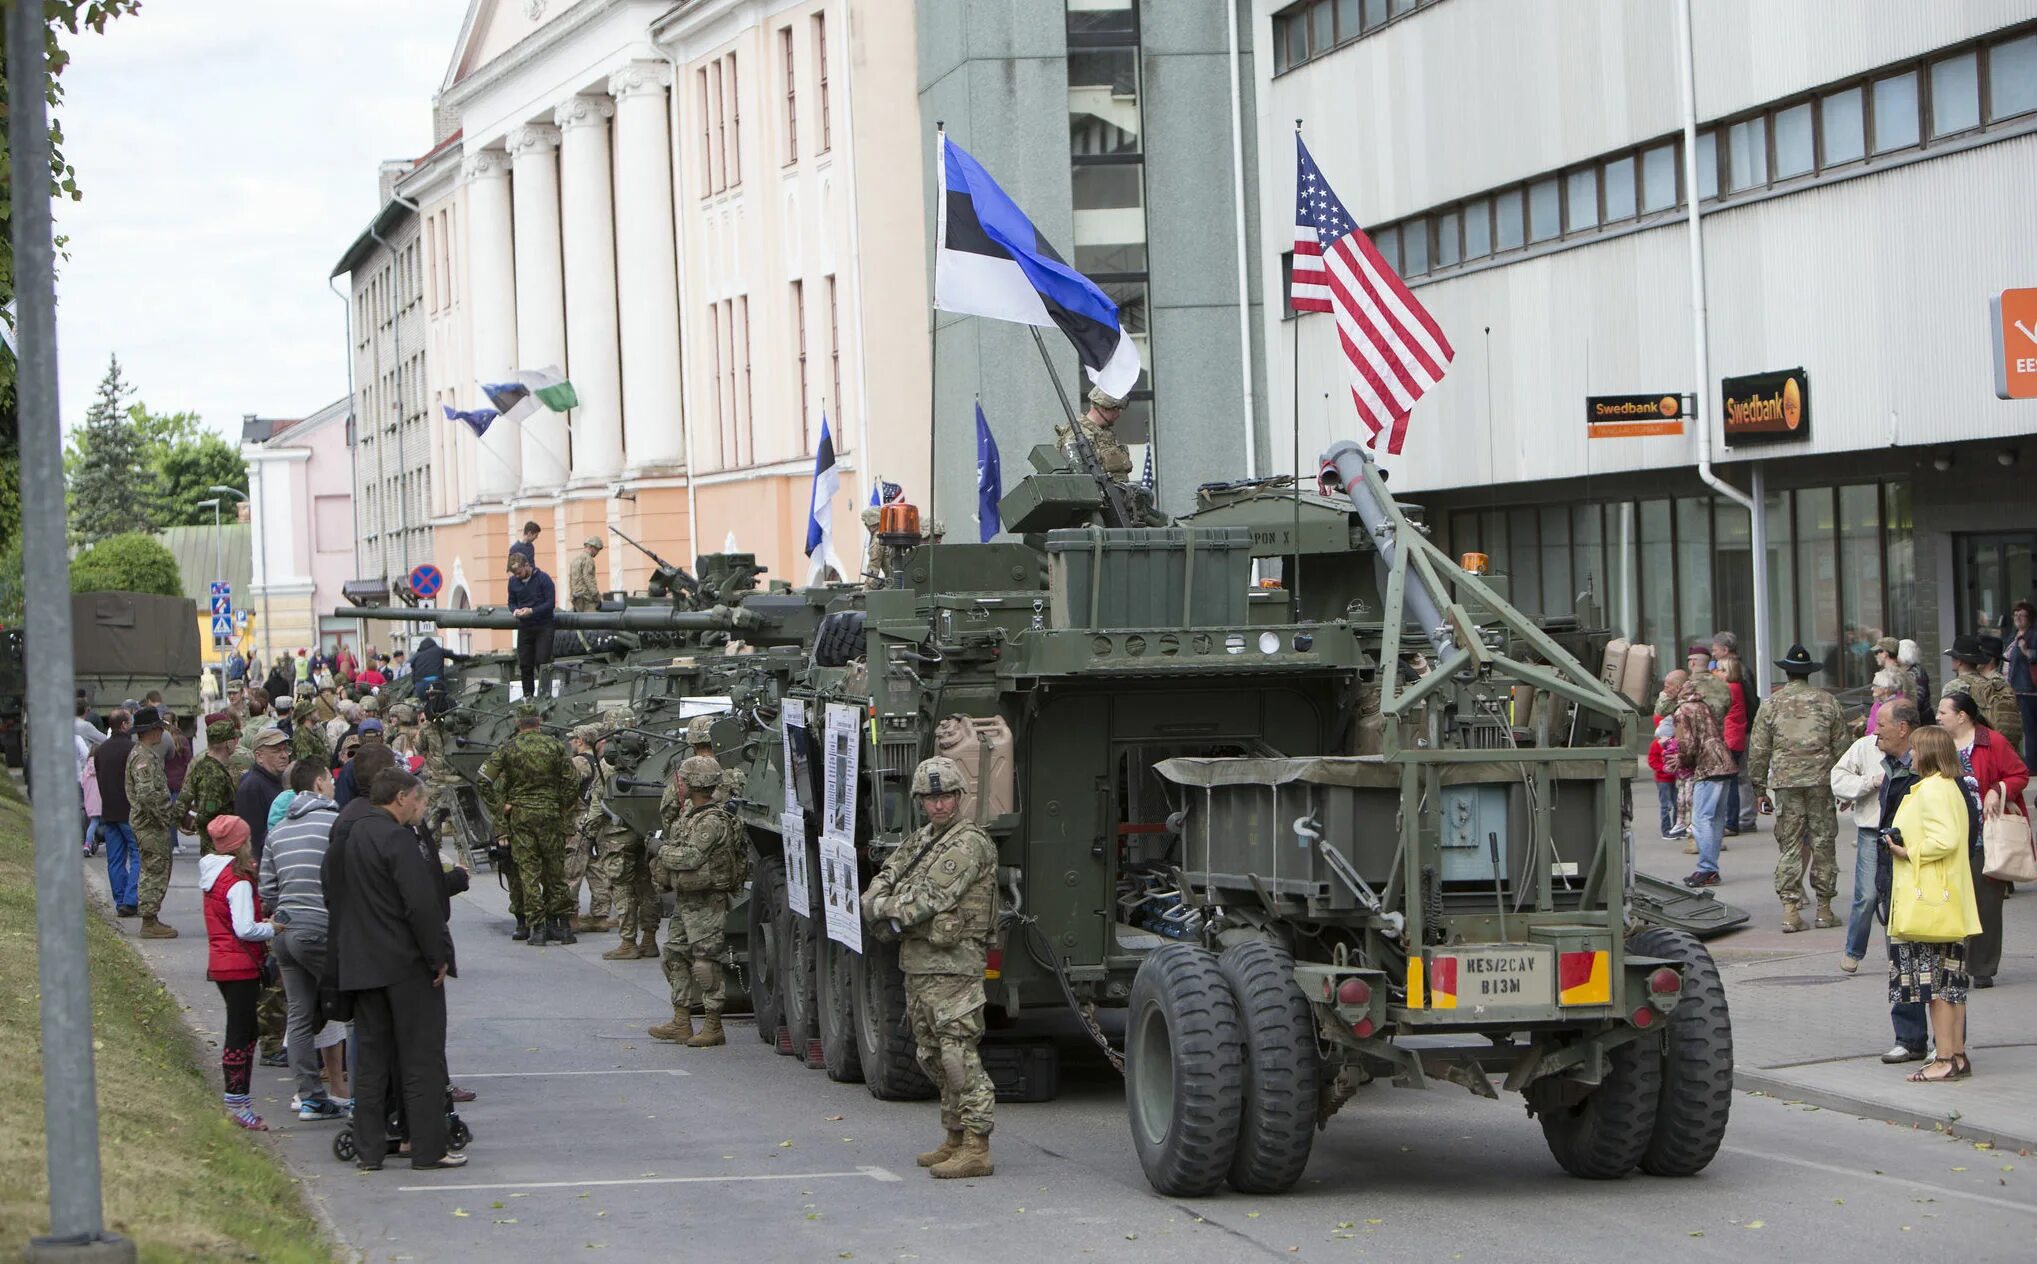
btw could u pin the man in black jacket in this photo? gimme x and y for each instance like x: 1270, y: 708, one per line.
x: 534, y: 600
x: 260, y: 785
x: 123, y: 854
x: 393, y: 952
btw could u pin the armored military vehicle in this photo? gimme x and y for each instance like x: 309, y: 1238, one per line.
x: 123, y: 645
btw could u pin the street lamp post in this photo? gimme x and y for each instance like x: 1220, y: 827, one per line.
x: 218, y: 564
x: 238, y: 494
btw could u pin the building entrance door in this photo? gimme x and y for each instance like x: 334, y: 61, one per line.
x: 1995, y: 572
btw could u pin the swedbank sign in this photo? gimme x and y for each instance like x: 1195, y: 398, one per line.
x: 1766, y: 407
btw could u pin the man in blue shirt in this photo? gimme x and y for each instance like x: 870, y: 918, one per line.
x: 533, y: 600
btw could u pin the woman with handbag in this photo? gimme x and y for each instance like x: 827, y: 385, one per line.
x: 235, y: 956
x: 1931, y: 906
x: 1999, y: 779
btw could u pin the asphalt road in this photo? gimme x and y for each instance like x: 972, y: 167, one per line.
x: 593, y: 1141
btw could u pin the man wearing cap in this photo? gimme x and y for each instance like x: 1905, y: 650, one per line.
x: 1797, y: 737
x: 208, y: 787
x: 1697, y: 661
x: 532, y: 792
x: 1886, y: 652
x: 153, y: 817
x: 1978, y: 659
x: 581, y: 583
x: 580, y: 843
x: 704, y: 860
x: 1098, y: 425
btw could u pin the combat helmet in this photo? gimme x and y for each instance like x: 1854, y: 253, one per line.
x: 938, y: 775
x: 700, y: 731
x: 700, y: 772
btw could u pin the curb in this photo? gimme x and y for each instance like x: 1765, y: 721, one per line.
x: 1776, y: 1086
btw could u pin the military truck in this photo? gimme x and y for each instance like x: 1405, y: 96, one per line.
x: 123, y: 645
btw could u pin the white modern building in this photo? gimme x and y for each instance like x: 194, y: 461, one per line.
x: 1864, y: 186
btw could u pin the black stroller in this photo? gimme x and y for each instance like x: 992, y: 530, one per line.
x: 457, y: 1132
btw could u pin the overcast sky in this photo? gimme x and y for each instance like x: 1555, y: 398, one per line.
x: 227, y: 152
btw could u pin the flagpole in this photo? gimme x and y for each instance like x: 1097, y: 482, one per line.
x: 934, y: 322
x: 1294, y: 581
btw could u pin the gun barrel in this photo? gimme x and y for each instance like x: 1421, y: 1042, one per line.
x: 1382, y: 519
x: 628, y: 619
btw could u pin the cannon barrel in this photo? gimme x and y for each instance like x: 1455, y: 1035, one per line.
x: 627, y: 619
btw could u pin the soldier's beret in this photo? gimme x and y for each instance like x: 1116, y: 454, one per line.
x: 221, y: 731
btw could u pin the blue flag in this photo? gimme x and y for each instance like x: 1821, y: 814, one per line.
x: 478, y: 419
x: 989, y: 479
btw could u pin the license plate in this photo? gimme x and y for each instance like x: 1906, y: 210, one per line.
x: 1502, y: 976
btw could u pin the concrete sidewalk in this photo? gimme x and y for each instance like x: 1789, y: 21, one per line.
x: 1805, y: 1032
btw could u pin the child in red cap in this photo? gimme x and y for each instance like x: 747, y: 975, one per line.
x: 234, y: 935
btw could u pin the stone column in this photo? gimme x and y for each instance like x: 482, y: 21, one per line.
x: 491, y: 272
x: 647, y: 272
x: 540, y: 295
x: 586, y: 218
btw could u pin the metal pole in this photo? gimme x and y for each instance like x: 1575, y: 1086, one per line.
x: 69, y: 1094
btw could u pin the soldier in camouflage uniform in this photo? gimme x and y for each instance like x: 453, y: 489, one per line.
x: 1697, y: 671
x: 1979, y: 678
x: 703, y: 860
x: 938, y: 893
x: 700, y: 736
x: 208, y: 786
x: 581, y: 581
x: 625, y: 864
x: 307, y: 735
x: 1797, y: 737
x: 153, y: 817
x: 532, y: 792
x: 257, y: 719
x: 580, y: 844
x: 1099, y: 427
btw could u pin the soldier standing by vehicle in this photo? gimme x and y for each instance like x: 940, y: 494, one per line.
x: 208, y: 787
x: 153, y: 817
x: 700, y: 736
x: 1798, y: 736
x: 532, y: 792
x: 581, y: 583
x: 624, y: 864
x: 704, y: 860
x: 938, y: 894
x: 1098, y: 426
x: 580, y: 848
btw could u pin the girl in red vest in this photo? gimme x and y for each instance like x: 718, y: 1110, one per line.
x: 234, y: 935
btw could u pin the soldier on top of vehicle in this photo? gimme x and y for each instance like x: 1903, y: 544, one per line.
x: 1098, y: 426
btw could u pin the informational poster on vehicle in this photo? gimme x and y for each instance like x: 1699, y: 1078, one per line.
x: 844, y: 748
x: 792, y: 828
x: 839, y: 891
x: 791, y: 726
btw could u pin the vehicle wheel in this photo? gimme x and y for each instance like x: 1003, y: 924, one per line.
x: 1278, y: 1123
x: 1184, y: 1071
x: 343, y: 1145
x: 1697, y: 1060
x: 766, y: 902
x: 795, y: 980
x: 884, y: 1043
x: 840, y: 639
x: 1603, y: 1134
x: 458, y: 1135
x: 835, y: 1010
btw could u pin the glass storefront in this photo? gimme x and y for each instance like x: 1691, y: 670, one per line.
x: 1996, y: 571
x: 1842, y: 568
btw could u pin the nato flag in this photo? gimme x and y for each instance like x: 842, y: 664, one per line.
x: 989, y: 479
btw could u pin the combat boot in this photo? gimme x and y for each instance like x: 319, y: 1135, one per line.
x: 945, y: 1152
x: 971, y: 1159
x: 710, y: 1033
x: 583, y: 921
x: 540, y: 933
x: 680, y: 1029
x: 561, y: 931
x: 625, y: 951
x: 647, y: 946
x: 522, y: 931
x: 1825, y: 919
x: 1792, y: 917
x: 153, y: 929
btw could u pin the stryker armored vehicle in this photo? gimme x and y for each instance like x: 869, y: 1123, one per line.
x: 1288, y: 826
x: 123, y: 644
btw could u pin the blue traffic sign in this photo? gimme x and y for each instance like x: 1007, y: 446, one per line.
x: 426, y: 580
x: 222, y: 627
x: 222, y: 603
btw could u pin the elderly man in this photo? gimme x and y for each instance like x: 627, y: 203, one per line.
x: 1895, y: 733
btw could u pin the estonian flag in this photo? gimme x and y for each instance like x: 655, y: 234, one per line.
x: 991, y: 261
x: 529, y: 390
x: 820, y: 526
x: 989, y: 480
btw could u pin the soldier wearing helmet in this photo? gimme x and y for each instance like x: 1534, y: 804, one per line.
x: 704, y: 860
x: 1099, y: 427
x: 580, y: 844
x: 938, y: 894
x: 620, y: 853
x: 700, y: 736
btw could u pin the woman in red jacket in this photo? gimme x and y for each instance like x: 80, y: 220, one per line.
x: 234, y: 935
x: 1733, y: 728
x: 1999, y: 779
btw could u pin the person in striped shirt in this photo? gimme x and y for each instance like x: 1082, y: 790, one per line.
x: 293, y: 892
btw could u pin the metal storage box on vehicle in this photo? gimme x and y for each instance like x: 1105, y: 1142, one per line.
x: 1150, y: 577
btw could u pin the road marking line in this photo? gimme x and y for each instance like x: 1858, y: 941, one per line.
x: 1899, y: 1181
x: 867, y: 1173
x: 520, y: 1075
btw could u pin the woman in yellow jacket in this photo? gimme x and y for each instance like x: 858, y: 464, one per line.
x: 1931, y: 903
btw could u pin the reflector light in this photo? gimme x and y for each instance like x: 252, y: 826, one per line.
x: 1665, y: 982
x: 1644, y: 1017
x: 1362, y: 1028
x: 993, y: 964
x: 1355, y: 992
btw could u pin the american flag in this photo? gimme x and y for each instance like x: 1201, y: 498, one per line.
x: 1396, y: 349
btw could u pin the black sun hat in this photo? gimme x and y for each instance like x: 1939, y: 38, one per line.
x: 1798, y: 662
x: 1966, y: 649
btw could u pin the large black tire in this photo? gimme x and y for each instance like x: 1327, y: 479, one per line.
x: 840, y: 640
x: 1697, y: 1060
x: 835, y: 1010
x: 767, y: 899
x: 1278, y: 1123
x: 884, y: 1045
x: 1184, y: 1071
x: 1602, y: 1136
x: 800, y: 945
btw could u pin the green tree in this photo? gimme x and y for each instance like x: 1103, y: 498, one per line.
x: 190, y: 469
x: 114, y: 487
x: 127, y: 563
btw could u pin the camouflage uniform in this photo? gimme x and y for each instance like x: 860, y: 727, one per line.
x: 244, y: 752
x: 1710, y: 688
x: 532, y: 792
x: 1796, y: 738
x: 625, y: 868
x: 153, y: 818
x: 700, y: 736
x: 580, y: 844
x: 207, y: 792
x: 440, y: 781
x: 1994, y: 698
x: 307, y: 736
x: 581, y: 583
x: 945, y: 906
x: 1111, y: 454
x: 697, y: 843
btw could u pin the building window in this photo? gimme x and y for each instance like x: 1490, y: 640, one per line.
x: 1506, y: 219
x: 791, y: 95
x: 1842, y: 117
x: 1955, y: 94
x: 1658, y: 178
x: 1414, y: 246
x: 2012, y: 78
x: 1581, y: 199
x: 1795, y: 150
x: 1895, y: 112
x: 1619, y: 189
x: 1316, y: 27
x: 820, y: 58
x: 707, y: 184
x: 799, y: 342
x: 1746, y: 154
x: 1449, y: 249
x: 834, y: 355
x: 1708, y: 164
x: 746, y: 421
x: 714, y: 358
x: 735, y: 117
x: 1545, y: 213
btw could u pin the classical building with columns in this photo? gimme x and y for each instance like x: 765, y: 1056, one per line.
x: 706, y: 214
